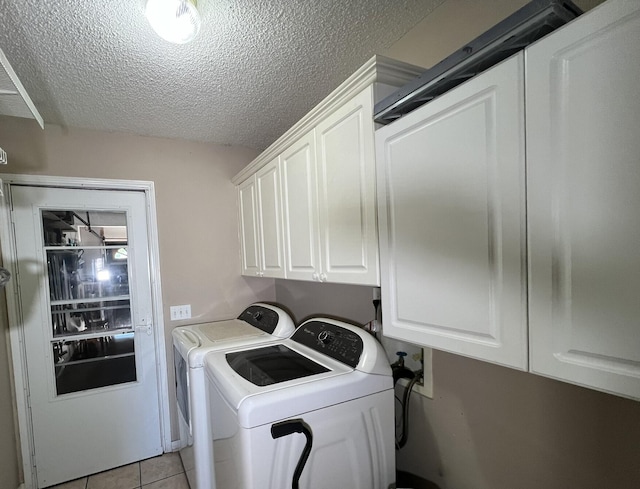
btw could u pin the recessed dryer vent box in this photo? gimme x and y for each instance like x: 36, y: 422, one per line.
x: 528, y: 24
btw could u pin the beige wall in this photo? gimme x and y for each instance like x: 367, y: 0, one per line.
x: 491, y: 427
x: 304, y: 299
x: 196, y: 208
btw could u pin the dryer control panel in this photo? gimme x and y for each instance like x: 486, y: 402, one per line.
x: 260, y: 317
x: 332, y: 340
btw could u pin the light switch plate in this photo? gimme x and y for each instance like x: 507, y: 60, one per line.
x: 178, y: 313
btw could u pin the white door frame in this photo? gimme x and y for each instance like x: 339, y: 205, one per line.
x: 16, y: 332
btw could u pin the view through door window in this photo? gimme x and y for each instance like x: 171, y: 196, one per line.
x: 87, y: 262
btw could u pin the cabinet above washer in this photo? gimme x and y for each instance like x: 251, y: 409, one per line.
x: 508, y: 210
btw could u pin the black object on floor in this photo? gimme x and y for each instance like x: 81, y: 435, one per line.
x: 405, y: 479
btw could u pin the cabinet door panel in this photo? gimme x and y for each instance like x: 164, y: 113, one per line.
x: 451, y: 213
x: 270, y: 221
x: 300, y: 209
x: 248, y: 227
x: 346, y: 183
x: 584, y: 194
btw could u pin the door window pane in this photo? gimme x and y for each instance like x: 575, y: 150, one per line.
x: 87, y: 264
x: 92, y: 363
x: 83, y: 227
x: 87, y: 273
x: 90, y: 317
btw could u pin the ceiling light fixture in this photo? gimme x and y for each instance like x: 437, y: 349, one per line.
x: 176, y: 21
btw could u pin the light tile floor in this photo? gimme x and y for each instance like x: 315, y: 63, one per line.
x: 163, y: 472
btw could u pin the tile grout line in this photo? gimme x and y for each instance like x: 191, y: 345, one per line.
x: 162, y: 479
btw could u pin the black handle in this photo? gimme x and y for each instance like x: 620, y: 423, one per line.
x: 288, y: 427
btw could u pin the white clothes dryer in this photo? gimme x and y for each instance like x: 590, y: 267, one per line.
x: 315, y: 410
x: 260, y: 323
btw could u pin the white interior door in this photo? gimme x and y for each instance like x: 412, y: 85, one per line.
x: 83, y: 276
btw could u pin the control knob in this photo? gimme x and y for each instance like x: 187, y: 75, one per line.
x: 325, y: 337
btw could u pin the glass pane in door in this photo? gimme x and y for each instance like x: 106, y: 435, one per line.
x: 92, y: 336
x: 73, y: 318
x: 96, y: 362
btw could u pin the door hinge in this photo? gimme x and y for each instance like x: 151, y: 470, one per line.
x: 145, y: 328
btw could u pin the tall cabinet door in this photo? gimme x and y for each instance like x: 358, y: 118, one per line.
x: 247, y: 208
x: 270, y: 221
x: 452, y: 220
x: 299, y: 196
x: 583, y: 116
x: 347, y: 196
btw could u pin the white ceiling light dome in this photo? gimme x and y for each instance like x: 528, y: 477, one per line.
x: 177, y: 21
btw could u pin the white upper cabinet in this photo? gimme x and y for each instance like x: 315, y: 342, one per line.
x: 270, y: 238
x: 347, y: 194
x: 247, y: 211
x: 451, y: 213
x: 583, y: 147
x: 328, y: 180
x: 300, y: 208
x: 261, y: 223
x: 328, y: 196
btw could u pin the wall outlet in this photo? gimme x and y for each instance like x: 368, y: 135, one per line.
x: 179, y: 313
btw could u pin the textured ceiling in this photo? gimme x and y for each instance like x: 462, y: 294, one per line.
x: 256, y: 67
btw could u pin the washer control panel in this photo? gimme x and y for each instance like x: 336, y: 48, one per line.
x: 332, y: 340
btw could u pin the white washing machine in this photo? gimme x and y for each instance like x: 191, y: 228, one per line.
x: 258, y: 324
x: 315, y: 410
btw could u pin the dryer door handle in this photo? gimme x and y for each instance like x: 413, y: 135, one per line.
x: 288, y: 427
